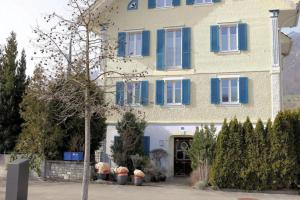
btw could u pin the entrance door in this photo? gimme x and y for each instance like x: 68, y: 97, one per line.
x: 182, y: 163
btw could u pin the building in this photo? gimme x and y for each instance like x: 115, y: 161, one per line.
x: 206, y: 60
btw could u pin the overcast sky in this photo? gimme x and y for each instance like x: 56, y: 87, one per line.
x: 21, y: 15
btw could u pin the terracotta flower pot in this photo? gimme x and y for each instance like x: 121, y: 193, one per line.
x: 138, y: 181
x: 122, y: 179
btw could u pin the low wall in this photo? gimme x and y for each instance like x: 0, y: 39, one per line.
x: 64, y: 170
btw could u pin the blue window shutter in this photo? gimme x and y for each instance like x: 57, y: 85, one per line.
x: 117, y: 142
x: 244, y: 96
x: 176, y: 2
x: 186, y: 92
x: 214, y: 39
x: 146, y: 145
x: 151, y: 4
x: 215, y: 91
x: 120, y: 93
x: 243, y: 37
x: 121, y: 44
x: 216, y: 1
x: 160, y: 49
x: 186, y: 48
x: 190, y: 2
x: 145, y: 93
x: 146, y: 43
x: 160, y: 92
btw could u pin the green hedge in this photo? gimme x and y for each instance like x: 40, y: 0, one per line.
x: 264, y: 157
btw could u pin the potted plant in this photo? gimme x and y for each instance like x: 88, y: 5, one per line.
x: 138, y: 177
x: 103, y: 170
x: 122, y: 175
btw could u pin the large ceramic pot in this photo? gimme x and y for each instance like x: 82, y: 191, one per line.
x: 103, y: 176
x: 138, y: 181
x: 122, y: 179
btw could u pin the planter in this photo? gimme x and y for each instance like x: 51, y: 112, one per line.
x: 138, y: 181
x: 122, y: 179
x: 104, y: 177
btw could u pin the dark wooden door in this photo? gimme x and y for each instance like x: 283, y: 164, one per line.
x: 182, y: 163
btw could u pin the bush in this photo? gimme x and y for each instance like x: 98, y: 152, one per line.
x: 130, y: 142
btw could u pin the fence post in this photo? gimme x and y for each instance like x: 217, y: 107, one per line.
x: 17, y: 180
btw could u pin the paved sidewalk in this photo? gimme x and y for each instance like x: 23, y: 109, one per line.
x: 71, y: 191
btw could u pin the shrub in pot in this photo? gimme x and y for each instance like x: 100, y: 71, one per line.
x: 138, y: 177
x: 103, y: 170
x: 122, y: 175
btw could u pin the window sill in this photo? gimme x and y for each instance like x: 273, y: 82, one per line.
x: 230, y: 104
x: 203, y: 4
x: 229, y: 52
x: 173, y: 105
x: 137, y: 56
x: 164, y: 8
x: 133, y: 105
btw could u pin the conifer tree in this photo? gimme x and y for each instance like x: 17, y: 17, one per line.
x: 13, y: 83
x: 283, y: 156
x: 221, y: 171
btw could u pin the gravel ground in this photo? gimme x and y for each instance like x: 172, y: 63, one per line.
x: 71, y: 191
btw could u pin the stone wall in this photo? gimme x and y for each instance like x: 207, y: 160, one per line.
x: 64, y: 170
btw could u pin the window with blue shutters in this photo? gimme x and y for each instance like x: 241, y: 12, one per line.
x: 173, y: 92
x: 147, y: 145
x: 192, y: 2
x: 173, y: 49
x: 229, y: 38
x: 134, y: 44
x: 229, y: 90
x: 132, y: 93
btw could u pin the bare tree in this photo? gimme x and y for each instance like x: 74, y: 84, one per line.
x: 71, y: 44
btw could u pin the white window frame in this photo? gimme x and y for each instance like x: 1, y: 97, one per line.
x: 174, y: 94
x: 133, y: 93
x: 228, y: 37
x: 165, y: 4
x: 230, y: 102
x: 204, y: 3
x: 135, y: 42
x: 173, y: 67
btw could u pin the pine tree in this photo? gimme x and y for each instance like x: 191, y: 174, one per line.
x: 283, y: 156
x: 131, y: 132
x: 221, y: 171
x: 11, y: 92
x: 235, y: 154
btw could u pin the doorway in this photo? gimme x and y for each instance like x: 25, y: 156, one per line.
x: 182, y: 162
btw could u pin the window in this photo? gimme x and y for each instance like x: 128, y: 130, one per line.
x: 134, y: 44
x: 229, y: 38
x: 174, y: 95
x: 133, y: 93
x: 163, y: 3
x: 229, y: 90
x: 173, y: 49
x: 202, y: 1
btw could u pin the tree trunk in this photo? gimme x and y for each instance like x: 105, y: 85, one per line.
x: 87, y: 123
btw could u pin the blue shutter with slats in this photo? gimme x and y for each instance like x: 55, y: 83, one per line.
x: 186, y: 92
x: 160, y: 49
x: 120, y: 93
x: 216, y: 1
x: 146, y: 43
x: 214, y: 39
x: 146, y: 145
x: 243, y: 89
x: 160, y: 92
x: 144, y: 93
x: 121, y: 44
x: 243, y: 37
x: 151, y: 4
x: 215, y: 91
x: 190, y: 2
x: 176, y: 2
x: 186, y: 48
x: 117, y: 141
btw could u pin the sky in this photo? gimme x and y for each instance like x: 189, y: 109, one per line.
x: 21, y: 16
